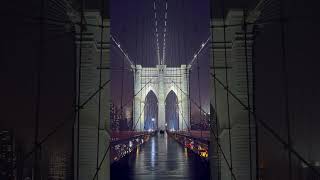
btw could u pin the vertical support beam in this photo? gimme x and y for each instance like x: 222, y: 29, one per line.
x: 141, y: 118
x: 184, y: 104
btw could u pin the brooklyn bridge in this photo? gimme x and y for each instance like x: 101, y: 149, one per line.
x: 159, y: 89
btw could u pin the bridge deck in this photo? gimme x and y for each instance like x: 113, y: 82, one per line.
x: 160, y: 158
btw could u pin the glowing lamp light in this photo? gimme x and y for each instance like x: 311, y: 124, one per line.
x: 202, y: 45
x: 204, y: 154
x: 130, y: 144
x: 152, y: 119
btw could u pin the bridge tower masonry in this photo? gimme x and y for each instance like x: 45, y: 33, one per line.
x: 161, y: 80
x: 230, y: 51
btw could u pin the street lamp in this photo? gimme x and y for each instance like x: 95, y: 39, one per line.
x: 153, y: 123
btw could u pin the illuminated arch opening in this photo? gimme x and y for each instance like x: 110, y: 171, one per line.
x: 172, y: 111
x: 151, y: 111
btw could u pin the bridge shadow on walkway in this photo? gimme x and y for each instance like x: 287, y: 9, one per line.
x: 161, y: 158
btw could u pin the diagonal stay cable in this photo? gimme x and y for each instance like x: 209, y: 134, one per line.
x: 95, y: 93
x: 100, y: 81
x: 100, y: 164
x: 224, y: 156
x: 216, y: 140
x: 61, y: 125
x: 184, y: 119
x: 199, y: 51
x: 135, y: 125
x: 130, y: 100
x: 222, y: 152
x: 268, y: 128
x: 189, y: 97
x: 105, y: 154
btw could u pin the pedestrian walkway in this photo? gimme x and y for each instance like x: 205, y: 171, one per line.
x: 161, y: 158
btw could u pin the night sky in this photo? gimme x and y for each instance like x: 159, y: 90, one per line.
x: 132, y: 24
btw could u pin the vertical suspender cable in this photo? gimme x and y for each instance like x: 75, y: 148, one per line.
x: 254, y: 109
x: 79, y: 87
x: 100, y: 77
x: 199, y: 96
x: 135, y: 72
x: 215, y: 93
x: 142, y: 72
x: 185, y: 71
x: 177, y: 60
x: 122, y: 81
x: 227, y: 81
x: 140, y: 104
x: 285, y: 83
x: 199, y: 93
x: 190, y: 73
x: 75, y: 103
x: 38, y: 92
x: 179, y: 80
x: 248, y: 88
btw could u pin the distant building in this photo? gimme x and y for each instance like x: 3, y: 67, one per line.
x: 114, y: 117
x: 58, y: 166
x: 7, y: 154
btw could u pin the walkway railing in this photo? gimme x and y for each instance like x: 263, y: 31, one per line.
x: 124, y: 142
x: 196, y: 141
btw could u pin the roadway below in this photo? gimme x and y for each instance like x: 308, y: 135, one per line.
x: 161, y: 158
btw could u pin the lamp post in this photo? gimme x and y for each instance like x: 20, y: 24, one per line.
x: 153, y: 123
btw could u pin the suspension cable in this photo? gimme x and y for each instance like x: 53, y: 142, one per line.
x: 100, y: 82
x: 38, y: 92
x: 268, y: 128
x: 122, y: 51
x: 227, y: 81
x: 223, y: 154
x: 156, y: 30
x: 191, y: 100
x: 79, y: 87
x: 286, y: 84
x: 179, y: 79
x: 60, y: 125
x: 215, y: 102
x: 198, y: 52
